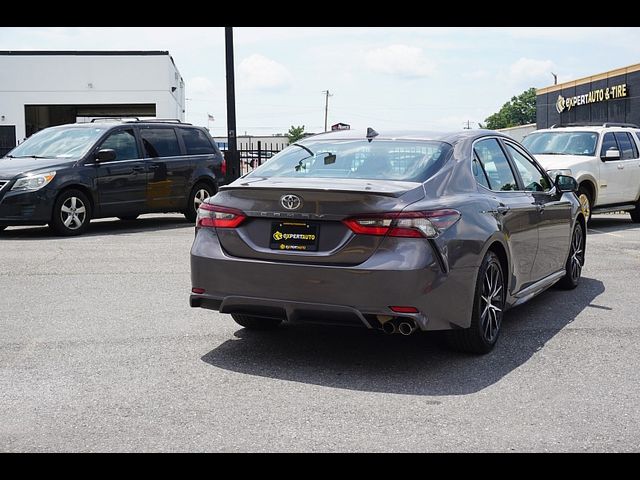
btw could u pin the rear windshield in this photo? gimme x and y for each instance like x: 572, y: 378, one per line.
x: 58, y: 142
x: 413, y: 161
x: 561, y: 143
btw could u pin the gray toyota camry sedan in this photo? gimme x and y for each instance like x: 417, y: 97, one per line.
x: 395, y: 231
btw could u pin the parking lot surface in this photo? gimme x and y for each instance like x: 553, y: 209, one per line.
x: 99, y: 351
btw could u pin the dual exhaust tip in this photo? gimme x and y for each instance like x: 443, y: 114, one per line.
x: 401, y: 326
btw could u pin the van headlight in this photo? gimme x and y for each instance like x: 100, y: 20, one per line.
x: 33, y: 182
x: 554, y: 173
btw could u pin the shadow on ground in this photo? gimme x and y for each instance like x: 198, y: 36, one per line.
x: 603, y: 223
x: 359, y: 359
x: 102, y: 227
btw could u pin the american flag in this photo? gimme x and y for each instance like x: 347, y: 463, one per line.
x: 211, y: 119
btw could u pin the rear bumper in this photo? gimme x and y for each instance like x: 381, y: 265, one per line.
x: 344, y: 294
x: 26, y: 208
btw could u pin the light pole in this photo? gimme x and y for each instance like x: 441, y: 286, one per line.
x: 555, y: 78
x: 326, y: 107
x: 232, y: 157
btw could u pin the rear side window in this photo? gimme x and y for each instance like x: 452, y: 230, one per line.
x: 496, y: 165
x: 196, y: 142
x: 160, y: 142
x: 627, y: 148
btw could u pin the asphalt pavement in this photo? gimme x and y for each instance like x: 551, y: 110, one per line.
x: 100, y: 352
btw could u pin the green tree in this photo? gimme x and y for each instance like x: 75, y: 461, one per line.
x: 295, y: 133
x: 519, y: 110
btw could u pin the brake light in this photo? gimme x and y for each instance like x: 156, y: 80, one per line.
x: 210, y: 215
x: 223, y: 166
x: 428, y: 224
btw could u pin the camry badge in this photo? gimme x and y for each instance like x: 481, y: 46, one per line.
x: 291, y: 202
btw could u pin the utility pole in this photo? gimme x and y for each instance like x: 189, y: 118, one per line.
x: 468, y: 127
x: 232, y: 157
x: 326, y: 107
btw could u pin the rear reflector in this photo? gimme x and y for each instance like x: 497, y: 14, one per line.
x: 427, y: 224
x: 404, y: 309
x: 198, y: 291
x: 210, y: 215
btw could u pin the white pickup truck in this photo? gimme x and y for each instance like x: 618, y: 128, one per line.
x: 604, y: 159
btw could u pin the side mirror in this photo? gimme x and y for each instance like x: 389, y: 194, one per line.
x: 611, y: 154
x: 106, y: 155
x: 565, y: 183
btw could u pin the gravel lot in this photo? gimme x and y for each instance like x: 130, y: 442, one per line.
x: 99, y: 351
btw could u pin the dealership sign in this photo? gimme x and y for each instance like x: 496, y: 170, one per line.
x: 594, y: 96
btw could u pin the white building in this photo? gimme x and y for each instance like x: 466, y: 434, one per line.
x: 519, y: 132
x: 39, y: 89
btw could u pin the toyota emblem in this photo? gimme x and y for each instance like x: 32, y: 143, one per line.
x: 291, y: 202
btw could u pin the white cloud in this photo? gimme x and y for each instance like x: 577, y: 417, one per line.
x: 200, y: 86
x: 400, y: 60
x: 257, y: 72
x: 530, y: 72
x: 476, y: 74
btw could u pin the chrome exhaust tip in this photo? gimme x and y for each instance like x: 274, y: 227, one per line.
x: 389, y: 327
x: 407, y: 328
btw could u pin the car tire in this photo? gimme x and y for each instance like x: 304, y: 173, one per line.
x: 486, y: 318
x: 129, y: 218
x: 71, y: 213
x: 256, y: 323
x: 575, y: 260
x: 199, y: 193
x: 586, y: 202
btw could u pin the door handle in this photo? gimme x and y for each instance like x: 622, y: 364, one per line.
x: 138, y: 169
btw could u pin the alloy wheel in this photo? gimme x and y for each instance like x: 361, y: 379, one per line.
x: 73, y: 213
x: 584, y: 204
x: 200, y: 196
x: 577, y: 254
x: 491, y: 302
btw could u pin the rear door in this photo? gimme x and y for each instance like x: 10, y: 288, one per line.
x: 554, y: 214
x: 631, y: 165
x: 122, y: 183
x: 169, y: 168
x: 613, y: 175
x: 516, y: 210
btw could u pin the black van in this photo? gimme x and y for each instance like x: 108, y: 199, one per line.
x: 66, y: 175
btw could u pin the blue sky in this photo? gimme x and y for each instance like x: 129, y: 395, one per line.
x: 404, y: 78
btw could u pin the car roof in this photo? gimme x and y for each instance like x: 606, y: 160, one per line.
x: 420, y: 135
x: 587, y: 128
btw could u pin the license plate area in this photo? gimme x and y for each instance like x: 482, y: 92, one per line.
x: 294, y: 236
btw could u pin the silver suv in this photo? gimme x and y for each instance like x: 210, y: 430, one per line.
x: 604, y: 159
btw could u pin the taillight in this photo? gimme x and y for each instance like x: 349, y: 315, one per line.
x: 210, y: 215
x: 427, y: 224
x: 223, y: 166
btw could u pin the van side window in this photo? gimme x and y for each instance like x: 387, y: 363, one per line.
x: 160, y: 142
x: 196, y: 142
x: 124, y: 144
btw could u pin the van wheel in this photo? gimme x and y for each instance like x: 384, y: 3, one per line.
x: 71, y: 213
x: 488, y: 305
x: 256, y: 323
x: 200, y: 192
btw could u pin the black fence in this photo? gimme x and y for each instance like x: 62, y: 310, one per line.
x: 252, y: 158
